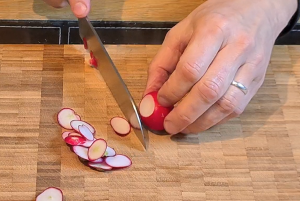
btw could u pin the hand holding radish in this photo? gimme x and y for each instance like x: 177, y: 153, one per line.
x: 80, y: 8
x: 218, y: 43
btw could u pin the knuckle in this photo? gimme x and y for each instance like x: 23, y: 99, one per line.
x: 191, y: 71
x: 184, y: 119
x: 245, y: 41
x: 228, y: 104
x: 210, y: 90
x: 220, y: 20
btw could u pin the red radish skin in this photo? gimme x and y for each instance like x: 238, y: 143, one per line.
x: 85, y: 132
x: 152, y: 113
x: 50, y: 194
x: 97, y: 149
x: 93, y: 60
x: 85, y: 45
x: 76, y: 123
x: 101, y: 166
x: 120, y: 126
x: 65, y: 116
x: 118, y: 161
x: 75, y: 140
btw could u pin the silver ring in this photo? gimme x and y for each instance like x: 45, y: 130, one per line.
x: 240, y: 86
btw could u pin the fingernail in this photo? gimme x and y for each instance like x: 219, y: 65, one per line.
x: 80, y: 9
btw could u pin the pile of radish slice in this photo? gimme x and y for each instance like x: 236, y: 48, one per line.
x: 95, y: 152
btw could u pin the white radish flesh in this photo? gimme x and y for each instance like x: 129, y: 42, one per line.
x: 76, y: 123
x: 110, y: 151
x: 75, y: 140
x: 152, y: 113
x: 86, y: 132
x: 100, y: 165
x: 81, y: 151
x: 65, y: 116
x: 50, y: 194
x: 147, y: 106
x: 120, y: 125
x: 118, y: 161
x: 97, y: 149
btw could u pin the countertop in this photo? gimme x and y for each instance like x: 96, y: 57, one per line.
x: 253, y: 157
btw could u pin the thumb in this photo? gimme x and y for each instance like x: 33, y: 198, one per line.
x: 167, y: 57
x: 80, y: 8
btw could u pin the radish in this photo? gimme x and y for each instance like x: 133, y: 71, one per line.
x: 101, y: 165
x: 152, y: 113
x: 50, y: 194
x: 134, y: 122
x: 85, y: 132
x: 97, y: 149
x: 81, y: 152
x: 120, y: 126
x: 85, y: 45
x: 75, y: 134
x: 75, y: 140
x: 65, y: 134
x: 118, y: 161
x: 76, y: 123
x: 93, y: 60
x: 110, y: 151
x: 65, y: 116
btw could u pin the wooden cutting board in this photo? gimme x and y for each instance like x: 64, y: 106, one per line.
x: 253, y: 157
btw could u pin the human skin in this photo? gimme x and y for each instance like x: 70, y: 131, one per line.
x: 220, y: 41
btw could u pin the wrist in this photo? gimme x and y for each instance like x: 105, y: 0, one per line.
x: 282, y: 12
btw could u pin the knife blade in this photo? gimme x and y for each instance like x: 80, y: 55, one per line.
x: 113, y: 79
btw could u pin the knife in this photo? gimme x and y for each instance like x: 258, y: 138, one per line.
x: 113, y: 79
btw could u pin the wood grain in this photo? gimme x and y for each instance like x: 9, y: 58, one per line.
x: 253, y: 157
x: 130, y: 10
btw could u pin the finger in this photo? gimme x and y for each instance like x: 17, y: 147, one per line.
x: 202, y: 49
x: 80, y: 8
x: 164, y: 62
x: 57, y: 3
x: 208, y: 90
x: 231, y: 105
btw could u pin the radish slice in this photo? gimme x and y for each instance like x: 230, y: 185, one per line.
x: 76, y: 123
x: 88, y: 143
x: 93, y: 60
x: 110, y: 151
x: 97, y: 149
x: 50, y: 194
x: 75, y: 134
x: 134, y: 121
x: 152, y: 113
x: 75, y: 140
x: 118, y: 161
x: 65, y: 134
x: 101, y: 166
x: 81, y: 152
x: 99, y: 160
x: 85, y: 132
x: 120, y: 126
x: 65, y: 116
